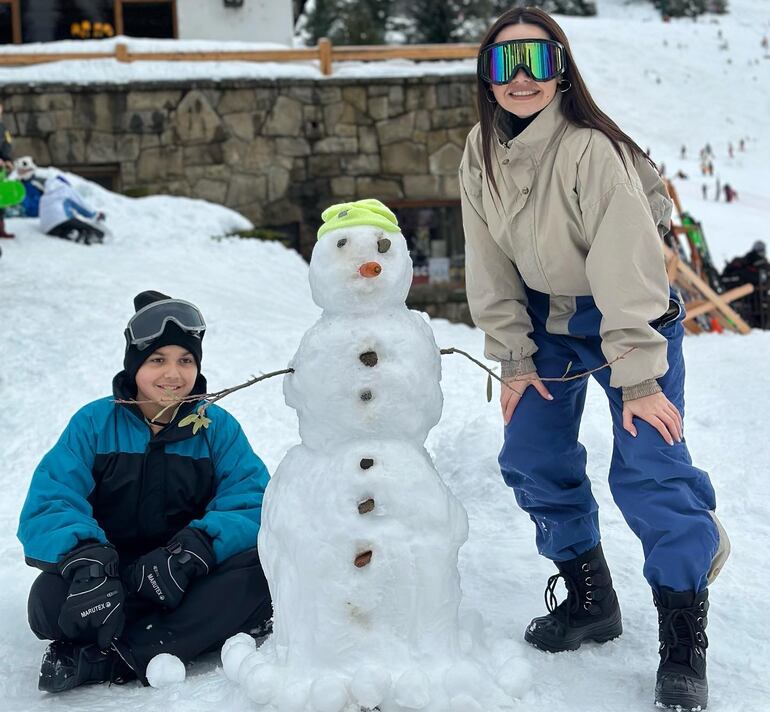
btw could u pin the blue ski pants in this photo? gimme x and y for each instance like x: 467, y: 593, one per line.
x: 665, y: 500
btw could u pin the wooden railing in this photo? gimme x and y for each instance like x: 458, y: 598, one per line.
x: 325, y: 53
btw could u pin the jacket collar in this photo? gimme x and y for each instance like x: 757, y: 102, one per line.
x: 536, y: 138
x: 124, y: 388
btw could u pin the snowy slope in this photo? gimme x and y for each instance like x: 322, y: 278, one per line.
x: 64, y: 307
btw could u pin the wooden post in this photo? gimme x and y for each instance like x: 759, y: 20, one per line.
x: 325, y: 55
x: 687, y: 275
x: 121, y: 52
x: 695, y: 309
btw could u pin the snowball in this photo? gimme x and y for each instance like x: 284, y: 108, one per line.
x: 515, y: 677
x: 293, y: 698
x: 336, y: 282
x: 404, y: 386
x: 328, y: 694
x: 164, y: 670
x: 247, y: 665
x: 464, y: 703
x: 370, y: 684
x: 240, y: 638
x: 412, y: 690
x: 463, y: 678
x: 261, y: 684
x: 231, y: 661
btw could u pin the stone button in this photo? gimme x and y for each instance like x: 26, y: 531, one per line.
x: 525, y: 191
x: 506, y: 161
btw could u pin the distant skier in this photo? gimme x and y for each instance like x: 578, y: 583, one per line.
x: 683, y: 152
x: 730, y: 151
x: 730, y: 193
x: 704, y: 191
x: 145, y: 524
x: 717, y: 190
x: 64, y: 213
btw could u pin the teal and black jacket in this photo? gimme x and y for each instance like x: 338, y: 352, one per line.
x: 108, y: 479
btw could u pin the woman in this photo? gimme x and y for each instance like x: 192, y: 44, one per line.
x: 144, y: 522
x: 563, y: 215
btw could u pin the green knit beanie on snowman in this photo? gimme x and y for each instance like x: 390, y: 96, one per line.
x: 360, y: 212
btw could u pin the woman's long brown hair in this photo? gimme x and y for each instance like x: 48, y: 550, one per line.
x: 577, y: 105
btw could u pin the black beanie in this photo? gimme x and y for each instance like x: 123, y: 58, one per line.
x: 173, y: 335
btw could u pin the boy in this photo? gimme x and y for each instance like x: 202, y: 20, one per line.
x: 146, y: 531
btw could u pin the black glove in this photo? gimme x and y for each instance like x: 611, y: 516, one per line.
x: 96, y: 597
x: 163, y: 575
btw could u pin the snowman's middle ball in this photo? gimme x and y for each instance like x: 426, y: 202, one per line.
x: 343, y: 278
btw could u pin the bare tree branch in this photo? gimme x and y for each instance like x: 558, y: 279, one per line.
x: 563, y: 378
x: 209, y: 397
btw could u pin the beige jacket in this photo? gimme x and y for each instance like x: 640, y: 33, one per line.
x: 569, y: 222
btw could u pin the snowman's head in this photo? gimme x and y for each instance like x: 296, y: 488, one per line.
x: 360, y: 263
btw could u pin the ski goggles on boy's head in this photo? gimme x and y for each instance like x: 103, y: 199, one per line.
x: 541, y: 59
x: 150, y: 321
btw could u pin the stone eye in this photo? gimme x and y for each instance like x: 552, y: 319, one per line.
x: 342, y: 242
x: 383, y: 245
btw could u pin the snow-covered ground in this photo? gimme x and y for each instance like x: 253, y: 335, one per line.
x: 64, y: 307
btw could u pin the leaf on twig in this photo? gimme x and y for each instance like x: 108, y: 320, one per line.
x: 197, y: 420
x: 566, y: 370
x: 489, y: 388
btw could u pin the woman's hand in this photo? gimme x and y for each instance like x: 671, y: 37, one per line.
x: 510, y: 397
x: 658, y: 411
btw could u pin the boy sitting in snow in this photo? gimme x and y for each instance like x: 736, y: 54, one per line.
x: 145, y: 528
x: 64, y: 213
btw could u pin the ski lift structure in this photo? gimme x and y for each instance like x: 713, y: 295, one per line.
x: 693, y: 274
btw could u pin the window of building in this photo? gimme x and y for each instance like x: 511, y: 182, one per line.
x: 107, y: 175
x: 146, y: 18
x: 10, y: 30
x: 51, y: 20
x: 434, y: 236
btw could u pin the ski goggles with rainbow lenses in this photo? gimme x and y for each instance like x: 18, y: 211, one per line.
x: 543, y: 60
x: 150, y: 321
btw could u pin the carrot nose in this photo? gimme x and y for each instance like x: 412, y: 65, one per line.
x: 370, y: 269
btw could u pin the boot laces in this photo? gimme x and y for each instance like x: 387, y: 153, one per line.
x: 573, y: 597
x: 683, y: 626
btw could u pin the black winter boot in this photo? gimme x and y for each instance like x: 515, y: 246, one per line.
x: 682, y: 618
x: 67, y: 665
x: 590, y: 611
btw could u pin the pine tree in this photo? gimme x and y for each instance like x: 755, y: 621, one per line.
x: 560, y: 7
x: 718, y: 7
x: 320, y: 19
x: 364, y: 22
x: 681, y: 8
x: 435, y: 22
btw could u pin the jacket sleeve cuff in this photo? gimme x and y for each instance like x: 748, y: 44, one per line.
x: 518, y: 367
x: 87, y: 554
x: 640, y: 390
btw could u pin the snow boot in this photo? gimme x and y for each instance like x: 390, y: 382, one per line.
x: 681, y: 681
x: 590, y: 611
x: 3, y: 233
x: 68, y: 665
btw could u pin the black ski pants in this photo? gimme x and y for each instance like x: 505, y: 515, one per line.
x: 233, y: 598
x: 78, y: 230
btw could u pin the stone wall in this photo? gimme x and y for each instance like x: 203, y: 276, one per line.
x: 277, y: 151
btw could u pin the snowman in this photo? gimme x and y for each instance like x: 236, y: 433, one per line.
x: 359, y: 537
